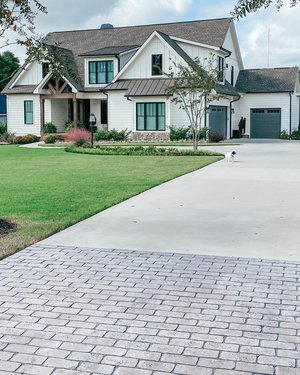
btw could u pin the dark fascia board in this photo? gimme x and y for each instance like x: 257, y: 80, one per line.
x: 267, y: 92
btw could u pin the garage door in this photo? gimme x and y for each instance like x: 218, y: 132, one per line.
x: 218, y: 119
x: 265, y: 122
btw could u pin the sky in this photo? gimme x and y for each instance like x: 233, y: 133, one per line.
x: 252, y: 31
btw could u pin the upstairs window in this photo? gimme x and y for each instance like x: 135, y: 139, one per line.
x: 28, y: 112
x: 45, y: 69
x: 157, y: 65
x: 232, y: 75
x: 220, y: 69
x: 101, y: 72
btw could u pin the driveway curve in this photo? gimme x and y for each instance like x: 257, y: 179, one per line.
x: 247, y: 208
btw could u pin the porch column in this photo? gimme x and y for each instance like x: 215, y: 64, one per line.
x: 81, y: 110
x: 75, y: 112
x: 42, y: 115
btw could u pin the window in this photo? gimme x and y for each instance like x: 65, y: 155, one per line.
x: 221, y: 69
x: 232, y: 75
x: 150, y: 116
x: 157, y: 65
x: 28, y: 112
x: 101, y: 72
x: 45, y: 69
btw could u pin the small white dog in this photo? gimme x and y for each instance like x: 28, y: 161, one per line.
x: 229, y: 156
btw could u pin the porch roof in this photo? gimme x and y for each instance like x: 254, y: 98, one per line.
x: 141, y: 87
x: 20, y: 89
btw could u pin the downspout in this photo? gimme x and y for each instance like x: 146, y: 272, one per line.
x: 290, y: 94
x: 230, y: 117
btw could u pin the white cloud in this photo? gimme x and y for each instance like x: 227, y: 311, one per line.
x: 133, y: 12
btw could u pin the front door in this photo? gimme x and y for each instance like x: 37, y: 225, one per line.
x: 103, y: 112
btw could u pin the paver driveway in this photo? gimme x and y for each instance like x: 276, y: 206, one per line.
x: 247, y: 208
x: 86, y: 311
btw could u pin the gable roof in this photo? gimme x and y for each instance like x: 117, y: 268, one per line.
x: 77, y: 44
x: 267, y: 80
x: 211, y: 32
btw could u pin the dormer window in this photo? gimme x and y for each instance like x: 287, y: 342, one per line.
x: 157, y: 65
x: 220, y: 69
x: 101, y: 72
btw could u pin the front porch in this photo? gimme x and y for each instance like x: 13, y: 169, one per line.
x: 61, y: 104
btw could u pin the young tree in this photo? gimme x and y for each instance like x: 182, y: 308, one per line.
x: 192, y: 89
x: 243, y: 7
x: 9, y: 63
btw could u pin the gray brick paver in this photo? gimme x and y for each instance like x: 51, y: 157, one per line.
x: 80, y: 311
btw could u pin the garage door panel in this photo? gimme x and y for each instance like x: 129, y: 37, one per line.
x: 218, y: 119
x: 265, y: 122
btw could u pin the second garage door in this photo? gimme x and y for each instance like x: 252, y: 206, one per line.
x: 265, y: 122
x: 218, y: 119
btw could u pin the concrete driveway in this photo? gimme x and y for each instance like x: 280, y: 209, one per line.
x: 249, y: 208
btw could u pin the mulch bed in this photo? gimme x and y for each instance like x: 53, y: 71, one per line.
x: 6, y: 227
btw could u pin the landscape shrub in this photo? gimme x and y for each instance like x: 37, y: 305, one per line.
x: 52, y: 138
x: 203, y: 133
x: 284, y: 134
x: 49, y: 127
x: 112, y: 135
x: 215, y: 137
x: 7, y: 137
x: 3, y: 128
x: 141, y: 151
x: 178, y: 134
x: 78, y: 137
x: 24, y: 139
x: 296, y: 135
x: 70, y: 126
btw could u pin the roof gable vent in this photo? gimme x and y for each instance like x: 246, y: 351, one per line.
x: 107, y: 26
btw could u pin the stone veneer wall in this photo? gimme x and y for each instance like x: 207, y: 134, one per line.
x: 150, y: 136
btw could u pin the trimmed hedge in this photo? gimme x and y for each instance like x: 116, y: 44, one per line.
x: 52, y: 138
x: 141, y: 151
x: 24, y: 139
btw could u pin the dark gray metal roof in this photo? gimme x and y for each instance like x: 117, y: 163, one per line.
x: 267, y: 80
x: 142, y: 87
x: 109, y: 50
x: 20, y: 89
x: 226, y: 89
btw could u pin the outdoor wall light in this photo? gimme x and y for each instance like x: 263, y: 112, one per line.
x: 92, y: 121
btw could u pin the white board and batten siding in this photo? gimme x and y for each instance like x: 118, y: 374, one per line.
x: 32, y: 75
x: 271, y: 100
x: 15, y: 113
x: 141, y: 67
x: 120, y: 111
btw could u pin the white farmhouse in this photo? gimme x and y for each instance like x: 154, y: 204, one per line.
x: 122, y: 81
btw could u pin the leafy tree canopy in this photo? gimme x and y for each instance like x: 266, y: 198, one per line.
x: 243, y: 7
x: 17, y: 26
x: 9, y: 63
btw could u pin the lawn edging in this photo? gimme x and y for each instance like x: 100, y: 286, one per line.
x: 140, y: 151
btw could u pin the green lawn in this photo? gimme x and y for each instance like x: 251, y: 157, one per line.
x: 44, y: 191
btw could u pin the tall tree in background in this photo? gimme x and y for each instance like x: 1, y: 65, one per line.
x: 243, y: 7
x: 9, y: 63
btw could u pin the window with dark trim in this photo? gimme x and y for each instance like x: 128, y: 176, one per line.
x: 232, y: 75
x: 45, y: 69
x: 150, y: 117
x: 157, y: 65
x: 220, y: 69
x: 101, y: 72
x: 28, y: 112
